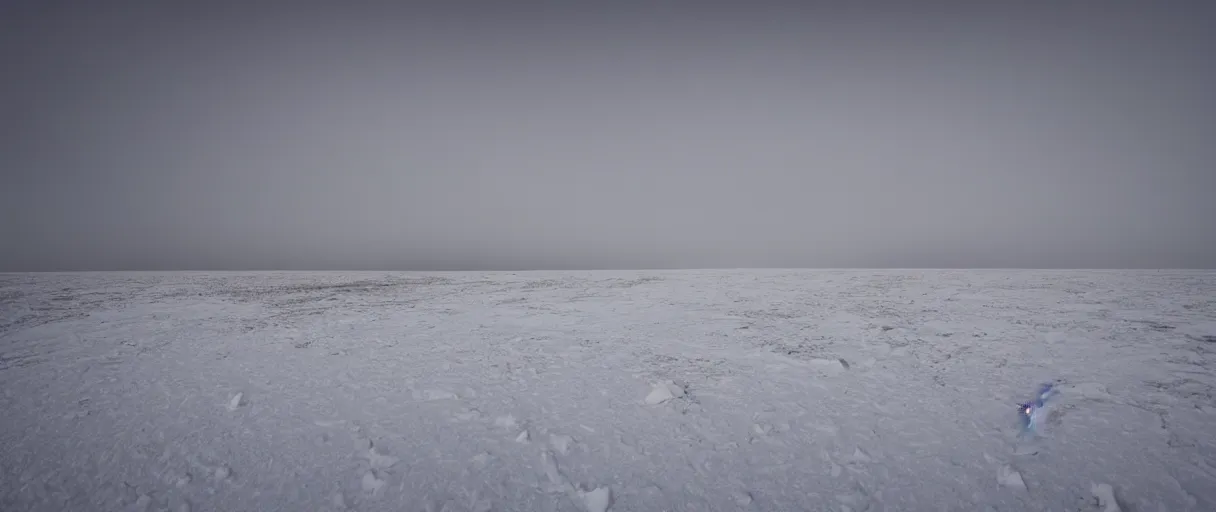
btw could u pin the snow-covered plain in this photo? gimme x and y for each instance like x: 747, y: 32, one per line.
x: 767, y: 390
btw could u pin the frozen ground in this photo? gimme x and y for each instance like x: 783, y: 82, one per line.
x: 790, y: 390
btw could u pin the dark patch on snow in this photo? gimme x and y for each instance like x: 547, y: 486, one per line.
x: 630, y: 283
x: 349, y: 286
x: 768, y: 314
x: 1156, y: 326
x: 17, y: 360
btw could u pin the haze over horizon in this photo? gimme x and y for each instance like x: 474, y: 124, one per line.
x: 462, y: 136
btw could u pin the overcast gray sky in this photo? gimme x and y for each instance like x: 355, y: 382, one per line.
x: 606, y: 135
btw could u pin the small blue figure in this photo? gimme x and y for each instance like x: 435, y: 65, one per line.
x: 1032, y: 414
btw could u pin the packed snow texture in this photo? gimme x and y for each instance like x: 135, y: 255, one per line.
x: 590, y: 391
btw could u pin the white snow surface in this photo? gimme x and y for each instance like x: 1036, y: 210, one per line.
x: 801, y: 390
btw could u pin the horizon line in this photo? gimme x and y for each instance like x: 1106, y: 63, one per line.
x: 656, y: 269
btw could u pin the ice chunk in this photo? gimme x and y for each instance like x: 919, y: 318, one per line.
x: 468, y: 415
x: 380, y: 461
x: 549, y: 466
x: 481, y: 460
x: 561, y: 443
x: 328, y: 423
x: 828, y: 366
x: 664, y: 391
x: 742, y: 498
x: 432, y: 395
x: 1009, y: 477
x: 597, y: 500
x: 142, y: 503
x: 1106, y: 497
x: 507, y: 421
x: 371, y: 483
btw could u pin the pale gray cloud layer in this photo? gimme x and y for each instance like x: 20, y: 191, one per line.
x: 226, y: 136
